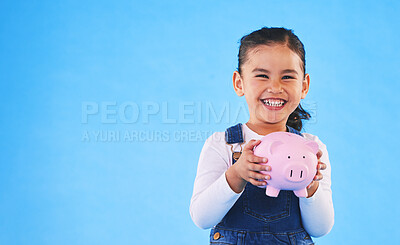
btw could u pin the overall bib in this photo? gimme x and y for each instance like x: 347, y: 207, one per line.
x: 256, y: 218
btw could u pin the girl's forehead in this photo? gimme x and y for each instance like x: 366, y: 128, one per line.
x: 276, y: 56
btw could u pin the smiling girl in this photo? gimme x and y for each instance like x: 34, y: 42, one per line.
x: 226, y: 196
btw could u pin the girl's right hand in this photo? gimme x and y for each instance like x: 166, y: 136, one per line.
x: 247, y: 168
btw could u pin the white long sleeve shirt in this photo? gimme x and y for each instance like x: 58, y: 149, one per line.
x: 213, y: 198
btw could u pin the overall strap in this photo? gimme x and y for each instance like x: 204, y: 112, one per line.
x: 234, y: 135
x: 294, y: 131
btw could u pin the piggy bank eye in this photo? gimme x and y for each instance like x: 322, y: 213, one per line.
x: 288, y: 157
x: 304, y: 156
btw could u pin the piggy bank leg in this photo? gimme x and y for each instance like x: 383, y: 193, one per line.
x: 301, y: 192
x: 271, y: 191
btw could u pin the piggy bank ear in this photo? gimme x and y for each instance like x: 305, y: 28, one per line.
x: 274, y: 146
x: 313, y: 146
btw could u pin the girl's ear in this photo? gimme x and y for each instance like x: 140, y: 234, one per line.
x: 305, y: 86
x: 238, y: 83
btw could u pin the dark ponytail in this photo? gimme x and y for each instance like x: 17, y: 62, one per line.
x: 274, y: 35
x: 295, y: 119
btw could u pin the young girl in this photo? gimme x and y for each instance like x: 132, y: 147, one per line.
x: 226, y: 195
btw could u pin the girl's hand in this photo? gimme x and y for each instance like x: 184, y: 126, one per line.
x: 313, y: 186
x: 247, y: 168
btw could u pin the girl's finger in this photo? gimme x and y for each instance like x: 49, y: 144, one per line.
x: 257, y: 182
x: 256, y: 159
x: 259, y: 176
x: 321, y: 166
x: 259, y: 167
x: 309, y: 186
x: 252, y: 143
x: 319, y: 154
x: 318, y: 176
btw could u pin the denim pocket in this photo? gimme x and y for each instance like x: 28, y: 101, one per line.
x: 265, y: 208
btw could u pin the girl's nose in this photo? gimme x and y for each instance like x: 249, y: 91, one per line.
x: 275, y: 87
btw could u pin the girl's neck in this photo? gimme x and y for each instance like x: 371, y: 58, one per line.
x: 266, y: 128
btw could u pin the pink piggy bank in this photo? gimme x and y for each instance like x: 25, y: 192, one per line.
x: 293, y: 162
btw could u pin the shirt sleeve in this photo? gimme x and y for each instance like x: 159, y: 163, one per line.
x: 317, y: 211
x: 212, y: 196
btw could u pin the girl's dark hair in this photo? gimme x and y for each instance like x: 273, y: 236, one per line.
x: 274, y: 35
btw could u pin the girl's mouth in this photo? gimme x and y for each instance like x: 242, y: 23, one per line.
x: 274, y: 103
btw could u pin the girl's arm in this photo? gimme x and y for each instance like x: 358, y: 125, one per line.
x: 212, y: 196
x: 317, y: 211
x: 218, y: 185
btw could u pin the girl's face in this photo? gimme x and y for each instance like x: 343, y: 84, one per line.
x: 272, y: 82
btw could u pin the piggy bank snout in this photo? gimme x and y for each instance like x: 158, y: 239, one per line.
x: 296, y: 172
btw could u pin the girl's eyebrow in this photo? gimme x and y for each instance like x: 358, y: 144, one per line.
x: 260, y: 70
x: 289, y: 71
x: 266, y: 71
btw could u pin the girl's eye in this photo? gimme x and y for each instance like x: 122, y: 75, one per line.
x: 263, y: 76
x: 287, y: 77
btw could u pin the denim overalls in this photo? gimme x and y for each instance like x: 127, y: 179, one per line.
x: 259, y: 219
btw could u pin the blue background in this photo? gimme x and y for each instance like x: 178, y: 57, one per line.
x: 58, y: 187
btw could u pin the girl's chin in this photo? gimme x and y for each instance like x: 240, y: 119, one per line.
x: 273, y: 119
x: 272, y: 116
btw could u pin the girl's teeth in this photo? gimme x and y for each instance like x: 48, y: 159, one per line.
x: 273, y: 102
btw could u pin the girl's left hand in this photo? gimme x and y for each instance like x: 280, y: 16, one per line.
x: 313, y: 186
